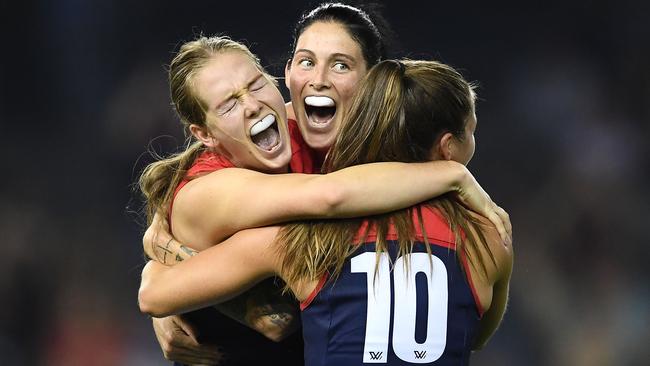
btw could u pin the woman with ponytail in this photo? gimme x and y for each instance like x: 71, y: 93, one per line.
x: 417, y: 285
x: 227, y: 178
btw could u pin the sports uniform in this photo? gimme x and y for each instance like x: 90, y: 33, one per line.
x: 302, y: 159
x: 428, y: 314
x: 242, y: 345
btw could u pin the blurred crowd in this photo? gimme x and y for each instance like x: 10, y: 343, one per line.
x: 563, y: 116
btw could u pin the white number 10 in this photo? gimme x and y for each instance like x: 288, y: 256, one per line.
x: 378, y: 319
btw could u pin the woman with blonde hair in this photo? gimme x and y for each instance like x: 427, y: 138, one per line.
x: 422, y: 284
x: 222, y: 183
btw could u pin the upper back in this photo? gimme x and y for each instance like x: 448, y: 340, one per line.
x: 425, y: 314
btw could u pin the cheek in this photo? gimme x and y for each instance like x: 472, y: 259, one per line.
x: 347, y: 86
x: 229, y: 126
x: 272, y: 97
x: 297, y: 80
x: 471, y: 149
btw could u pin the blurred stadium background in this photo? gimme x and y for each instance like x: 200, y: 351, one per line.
x: 561, y: 144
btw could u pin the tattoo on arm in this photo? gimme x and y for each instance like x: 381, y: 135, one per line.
x: 264, y: 309
x: 174, y: 252
x: 189, y: 251
x: 280, y: 319
x: 165, y: 250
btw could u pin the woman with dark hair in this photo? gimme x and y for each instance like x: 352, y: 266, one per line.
x: 243, y: 127
x: 424, y: 284
x: 334, y: 45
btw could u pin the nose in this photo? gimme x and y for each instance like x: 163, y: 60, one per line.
x: 320, y: 79
x: 252, y: 106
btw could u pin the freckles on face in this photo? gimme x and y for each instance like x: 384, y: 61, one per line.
x: 322, y: 78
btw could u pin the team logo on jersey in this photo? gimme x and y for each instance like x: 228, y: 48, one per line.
x: 375, y: 355
x: 420, y: 354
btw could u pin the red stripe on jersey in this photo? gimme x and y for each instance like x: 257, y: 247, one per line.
x: 314, y: 292
x: 435, y: 225
x: 438, y: 233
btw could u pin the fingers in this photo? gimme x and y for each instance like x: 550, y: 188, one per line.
x: 506, y: 221
x: 178, y: 346
x: 188, y: 328
x: 501, y: 220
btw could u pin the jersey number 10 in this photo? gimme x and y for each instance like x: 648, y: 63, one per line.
x: 404, y: 343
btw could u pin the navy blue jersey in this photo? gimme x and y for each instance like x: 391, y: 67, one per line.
x: 424, y: 315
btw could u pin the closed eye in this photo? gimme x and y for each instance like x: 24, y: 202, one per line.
x: 258, y: 84
x: 227, y: 106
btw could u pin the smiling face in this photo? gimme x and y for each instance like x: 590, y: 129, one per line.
x: 245, y: 114
x: 322, y: 77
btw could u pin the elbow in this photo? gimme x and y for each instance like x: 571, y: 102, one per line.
x: 333, y: 197
x: 148, y: 305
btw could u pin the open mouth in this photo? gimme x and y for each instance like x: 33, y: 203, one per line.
x: 265, y: 133
x: 320, y: 109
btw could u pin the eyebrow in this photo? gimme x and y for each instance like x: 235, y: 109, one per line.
x: 332, y: 56
x: 238, y: 92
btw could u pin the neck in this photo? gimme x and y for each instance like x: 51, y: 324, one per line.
x: 319, y: 157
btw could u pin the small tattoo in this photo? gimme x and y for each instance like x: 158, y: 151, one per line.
x: 165, y: 250
x: 280, y: 319
x: 189, y: 251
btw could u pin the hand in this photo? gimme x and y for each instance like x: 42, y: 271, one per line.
x: 160, y: 246
x: 177, y: 338
x: 472, y: 195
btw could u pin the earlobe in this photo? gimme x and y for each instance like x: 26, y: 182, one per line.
x: 203, y: 135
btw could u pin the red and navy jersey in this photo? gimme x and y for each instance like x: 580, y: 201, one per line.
x: 427, y: 314
x: 234, y: 339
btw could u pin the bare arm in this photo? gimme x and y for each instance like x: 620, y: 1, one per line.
x: 211, y: 277
x: 492, y: 318
x: 212, y: 207
x: 263, y: 308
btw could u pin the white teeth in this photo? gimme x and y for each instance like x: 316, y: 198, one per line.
x: 319, y: 101
x: 262, y: 125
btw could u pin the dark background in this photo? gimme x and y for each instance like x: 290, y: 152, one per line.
x: 561, y: 144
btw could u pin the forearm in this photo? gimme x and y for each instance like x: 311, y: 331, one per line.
x: 215, y: 206
x: 211, y: 277
x: 382, y: 187
x: 170, y: 253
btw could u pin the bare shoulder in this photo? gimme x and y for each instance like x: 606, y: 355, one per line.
x: 200, y: 210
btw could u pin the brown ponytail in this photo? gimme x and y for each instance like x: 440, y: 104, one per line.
x: 398, y: 113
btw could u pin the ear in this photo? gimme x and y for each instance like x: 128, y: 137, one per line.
x: 202, y: 134
x: 446, y: 146
x: 287, y: 73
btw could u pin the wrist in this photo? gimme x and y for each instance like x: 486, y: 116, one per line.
x: 459, y: 176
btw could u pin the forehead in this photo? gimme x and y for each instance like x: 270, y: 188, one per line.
x: 326, y: 38
x: 225, y: 73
